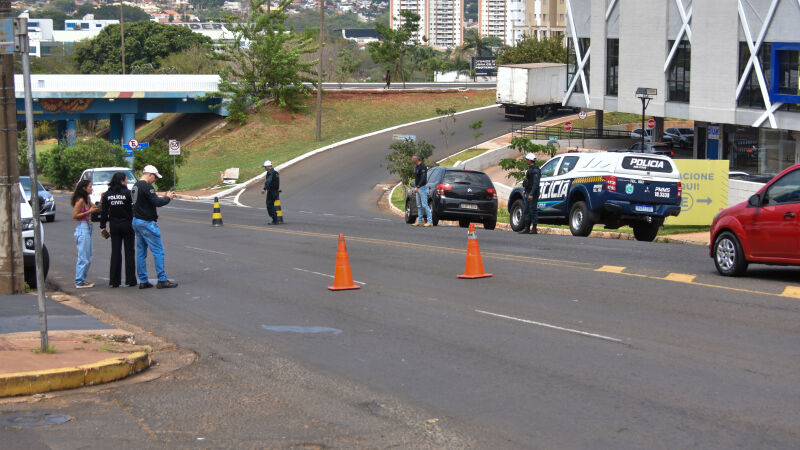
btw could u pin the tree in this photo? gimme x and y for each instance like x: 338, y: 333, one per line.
x: 396, y: 44
x: 157, y: 154
x: 399, y: 160
x: 479, y: 45
x: 194, y: 60
x: 475, y: 126
x: 64, y: 164
x: 346, y: 66
x: 532, y: 50
x: 129, y: 13
x: 516, y: 167
x: 447, y: 117
x: 58, y: 17
x: 145, y: 43
x: 272, y: 67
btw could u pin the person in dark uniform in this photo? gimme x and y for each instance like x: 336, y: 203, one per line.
x: 145, y: 225
x: 272, y: 188
x: 530, y: 186
x: 117, y: 210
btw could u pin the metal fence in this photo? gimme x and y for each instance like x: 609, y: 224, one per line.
x: 558, y: 132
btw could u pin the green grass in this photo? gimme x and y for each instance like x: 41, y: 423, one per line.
x: 151, y: 127
x: 463, y: 156
x: 276, y: 135
x: 49, y: 350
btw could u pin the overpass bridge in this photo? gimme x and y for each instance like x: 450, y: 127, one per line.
x: 121, y: 99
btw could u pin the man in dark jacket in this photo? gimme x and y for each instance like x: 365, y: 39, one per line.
x: 421, y: 191
x: 117, y: 208
x: 145, y: 224
x: 272, y: 187
x: 531, y: 195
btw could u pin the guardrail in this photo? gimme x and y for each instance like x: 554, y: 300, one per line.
x: 558, y: 132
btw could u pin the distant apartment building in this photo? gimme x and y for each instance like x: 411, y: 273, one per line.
x: 504, y: 19
x: 441, y: 21
x: 545, y: 18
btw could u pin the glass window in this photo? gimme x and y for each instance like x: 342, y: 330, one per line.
x: 470, y: 178
x: 572, y: 62
x: 788, y: 72
x: 550, y: 168
x: 785, y: 190
x: 751, y: 92
x: 679, y: 73
x: 612, y: 67
x: 568, y: 164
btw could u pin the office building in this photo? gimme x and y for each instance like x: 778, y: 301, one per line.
x: 504, y: 19
x: 545, y: 18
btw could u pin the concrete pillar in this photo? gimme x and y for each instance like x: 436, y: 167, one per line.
x: 68, y: 131
x: 598, y: 121
x: 658, y: 131
x: 128, y: 132
x: 115, y: 132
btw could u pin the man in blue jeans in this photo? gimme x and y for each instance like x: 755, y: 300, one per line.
x: 421, y: 190
x: 145, y: 224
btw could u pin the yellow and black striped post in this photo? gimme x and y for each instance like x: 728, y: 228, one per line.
x: 216, y: 216
x: 279, y: 210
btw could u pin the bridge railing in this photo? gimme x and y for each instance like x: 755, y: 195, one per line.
x: 539, y: 132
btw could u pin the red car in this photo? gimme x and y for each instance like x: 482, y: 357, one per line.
x: 764, y: 230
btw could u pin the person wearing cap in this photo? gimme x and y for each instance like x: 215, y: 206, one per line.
x: 272, y: 189
x: 530, y: 185
x: 145, y: 225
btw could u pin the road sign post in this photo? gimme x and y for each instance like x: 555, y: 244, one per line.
x: 175, y: 151
x: 582, y: 116
x: 568, y: 127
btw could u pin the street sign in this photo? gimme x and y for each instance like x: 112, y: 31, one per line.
x: 141, y: 146
x: 651, y: 123
x: 705, y: 191
x: 582, y: 115
x: 403, y: 137
x: 133, y: 143
x: 174, y: 147
x: 568, y: 126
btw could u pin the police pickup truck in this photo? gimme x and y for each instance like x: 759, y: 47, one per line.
x: 614, y: 189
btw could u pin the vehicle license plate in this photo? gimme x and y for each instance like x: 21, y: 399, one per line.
x: 643, y: 208
x: 468, y: 206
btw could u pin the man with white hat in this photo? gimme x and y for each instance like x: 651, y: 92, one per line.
x: 145, y: 225
x: 272, y: 187
x: 530, y: 186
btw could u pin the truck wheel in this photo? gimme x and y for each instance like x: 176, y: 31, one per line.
x: 728, y: 255
x: 580, y: 222
x: 410, y: 218
x: 516, y: 217
x: 30, y: 272
x: 646, y: 231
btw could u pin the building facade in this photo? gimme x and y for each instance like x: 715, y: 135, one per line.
x: 731, y: 66
x: 545, y: 18
x: 441, y: 21
x: 504, y: 19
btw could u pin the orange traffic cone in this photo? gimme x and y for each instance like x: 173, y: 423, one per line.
x: 342, y: 278
x: 474, y: 266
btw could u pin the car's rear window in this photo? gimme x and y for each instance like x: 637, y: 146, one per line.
x: 646, y: 164
x: 470, y: 178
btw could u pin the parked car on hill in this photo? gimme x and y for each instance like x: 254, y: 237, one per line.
x: 762, y: 230
x: 457, y: 194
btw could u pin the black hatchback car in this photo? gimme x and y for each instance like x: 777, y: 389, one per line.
x: 457, y: 194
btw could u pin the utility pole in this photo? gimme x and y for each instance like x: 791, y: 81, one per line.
x: 12, y: 271
x: 122, y: 35
x: 319, y: 69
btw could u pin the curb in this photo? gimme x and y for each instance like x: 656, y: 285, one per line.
x: 113, y: 369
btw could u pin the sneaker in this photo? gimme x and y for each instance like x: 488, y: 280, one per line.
x: 166, y: 284
x: 416, y: 224
x: 113, y: 285
x: 428, y: 224
x: 133, y: 284
x: 84, y: 285
x: 145, y: 285
x: 524, y: 231
x: 533, y: 231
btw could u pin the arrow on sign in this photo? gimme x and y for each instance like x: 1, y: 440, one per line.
x: 704, y: 200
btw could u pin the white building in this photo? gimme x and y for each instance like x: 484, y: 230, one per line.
x: 441, y: 21
x: 731, y: 66
x: 87, y: 23
x: 504, y: 19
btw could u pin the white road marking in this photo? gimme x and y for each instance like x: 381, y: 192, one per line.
x: 206, y: 250
x: 554, y: 327
x: 326, y: 275
x: 305, y: 212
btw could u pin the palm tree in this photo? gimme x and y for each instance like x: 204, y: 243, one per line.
x: 481, y: 45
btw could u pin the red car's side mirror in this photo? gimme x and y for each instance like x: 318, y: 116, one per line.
x: 754, y: 200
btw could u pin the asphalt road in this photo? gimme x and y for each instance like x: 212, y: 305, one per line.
x: 573, y: 343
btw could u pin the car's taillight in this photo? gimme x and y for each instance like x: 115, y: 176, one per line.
x: 493, y: 192
x: 680, y: 189
x: 611, y: 183
x: 440, y: 189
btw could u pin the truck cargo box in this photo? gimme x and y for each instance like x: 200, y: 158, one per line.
x: 531, y: 84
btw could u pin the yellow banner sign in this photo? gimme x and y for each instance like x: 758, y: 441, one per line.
x: 705, y: 191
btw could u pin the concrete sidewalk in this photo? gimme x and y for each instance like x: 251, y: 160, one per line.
x: 84, y: 351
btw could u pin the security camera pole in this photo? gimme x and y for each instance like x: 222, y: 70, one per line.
x: 22, y: 46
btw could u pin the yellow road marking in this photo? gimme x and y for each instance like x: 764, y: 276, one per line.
x: 681, y: 277
x: 790, y: 291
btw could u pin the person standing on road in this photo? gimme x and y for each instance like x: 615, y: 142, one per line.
x: 82, y: 210
x: 145, y: 224
x: 272, y: 187
x: 421, y: 191
x: 118, y: 211
x: 388, y: 78
x: 530, y: 186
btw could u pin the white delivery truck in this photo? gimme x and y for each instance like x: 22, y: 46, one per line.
x: 528, y: 91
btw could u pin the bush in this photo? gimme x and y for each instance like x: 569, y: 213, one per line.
x: 63, y: 165
x: 399, y: 163
x: 157, y: 154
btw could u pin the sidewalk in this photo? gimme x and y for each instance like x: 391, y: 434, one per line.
x: 85, y: 351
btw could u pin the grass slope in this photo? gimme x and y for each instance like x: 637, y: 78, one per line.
x: 276, y: 135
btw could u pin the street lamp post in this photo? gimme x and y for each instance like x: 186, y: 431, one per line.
x: 645, y: 94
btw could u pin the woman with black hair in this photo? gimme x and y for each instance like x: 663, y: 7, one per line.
x: 117, y: 209
x: 82, y: 210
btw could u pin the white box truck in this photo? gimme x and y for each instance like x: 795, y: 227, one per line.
x: 528, y: 91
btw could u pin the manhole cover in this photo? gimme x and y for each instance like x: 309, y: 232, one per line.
x: 26, y: 420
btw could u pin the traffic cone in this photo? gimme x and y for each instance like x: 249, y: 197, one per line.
x: 342, y: 278
x: 216, y: 216
x: 474, y: 266
x: 279, y: 210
